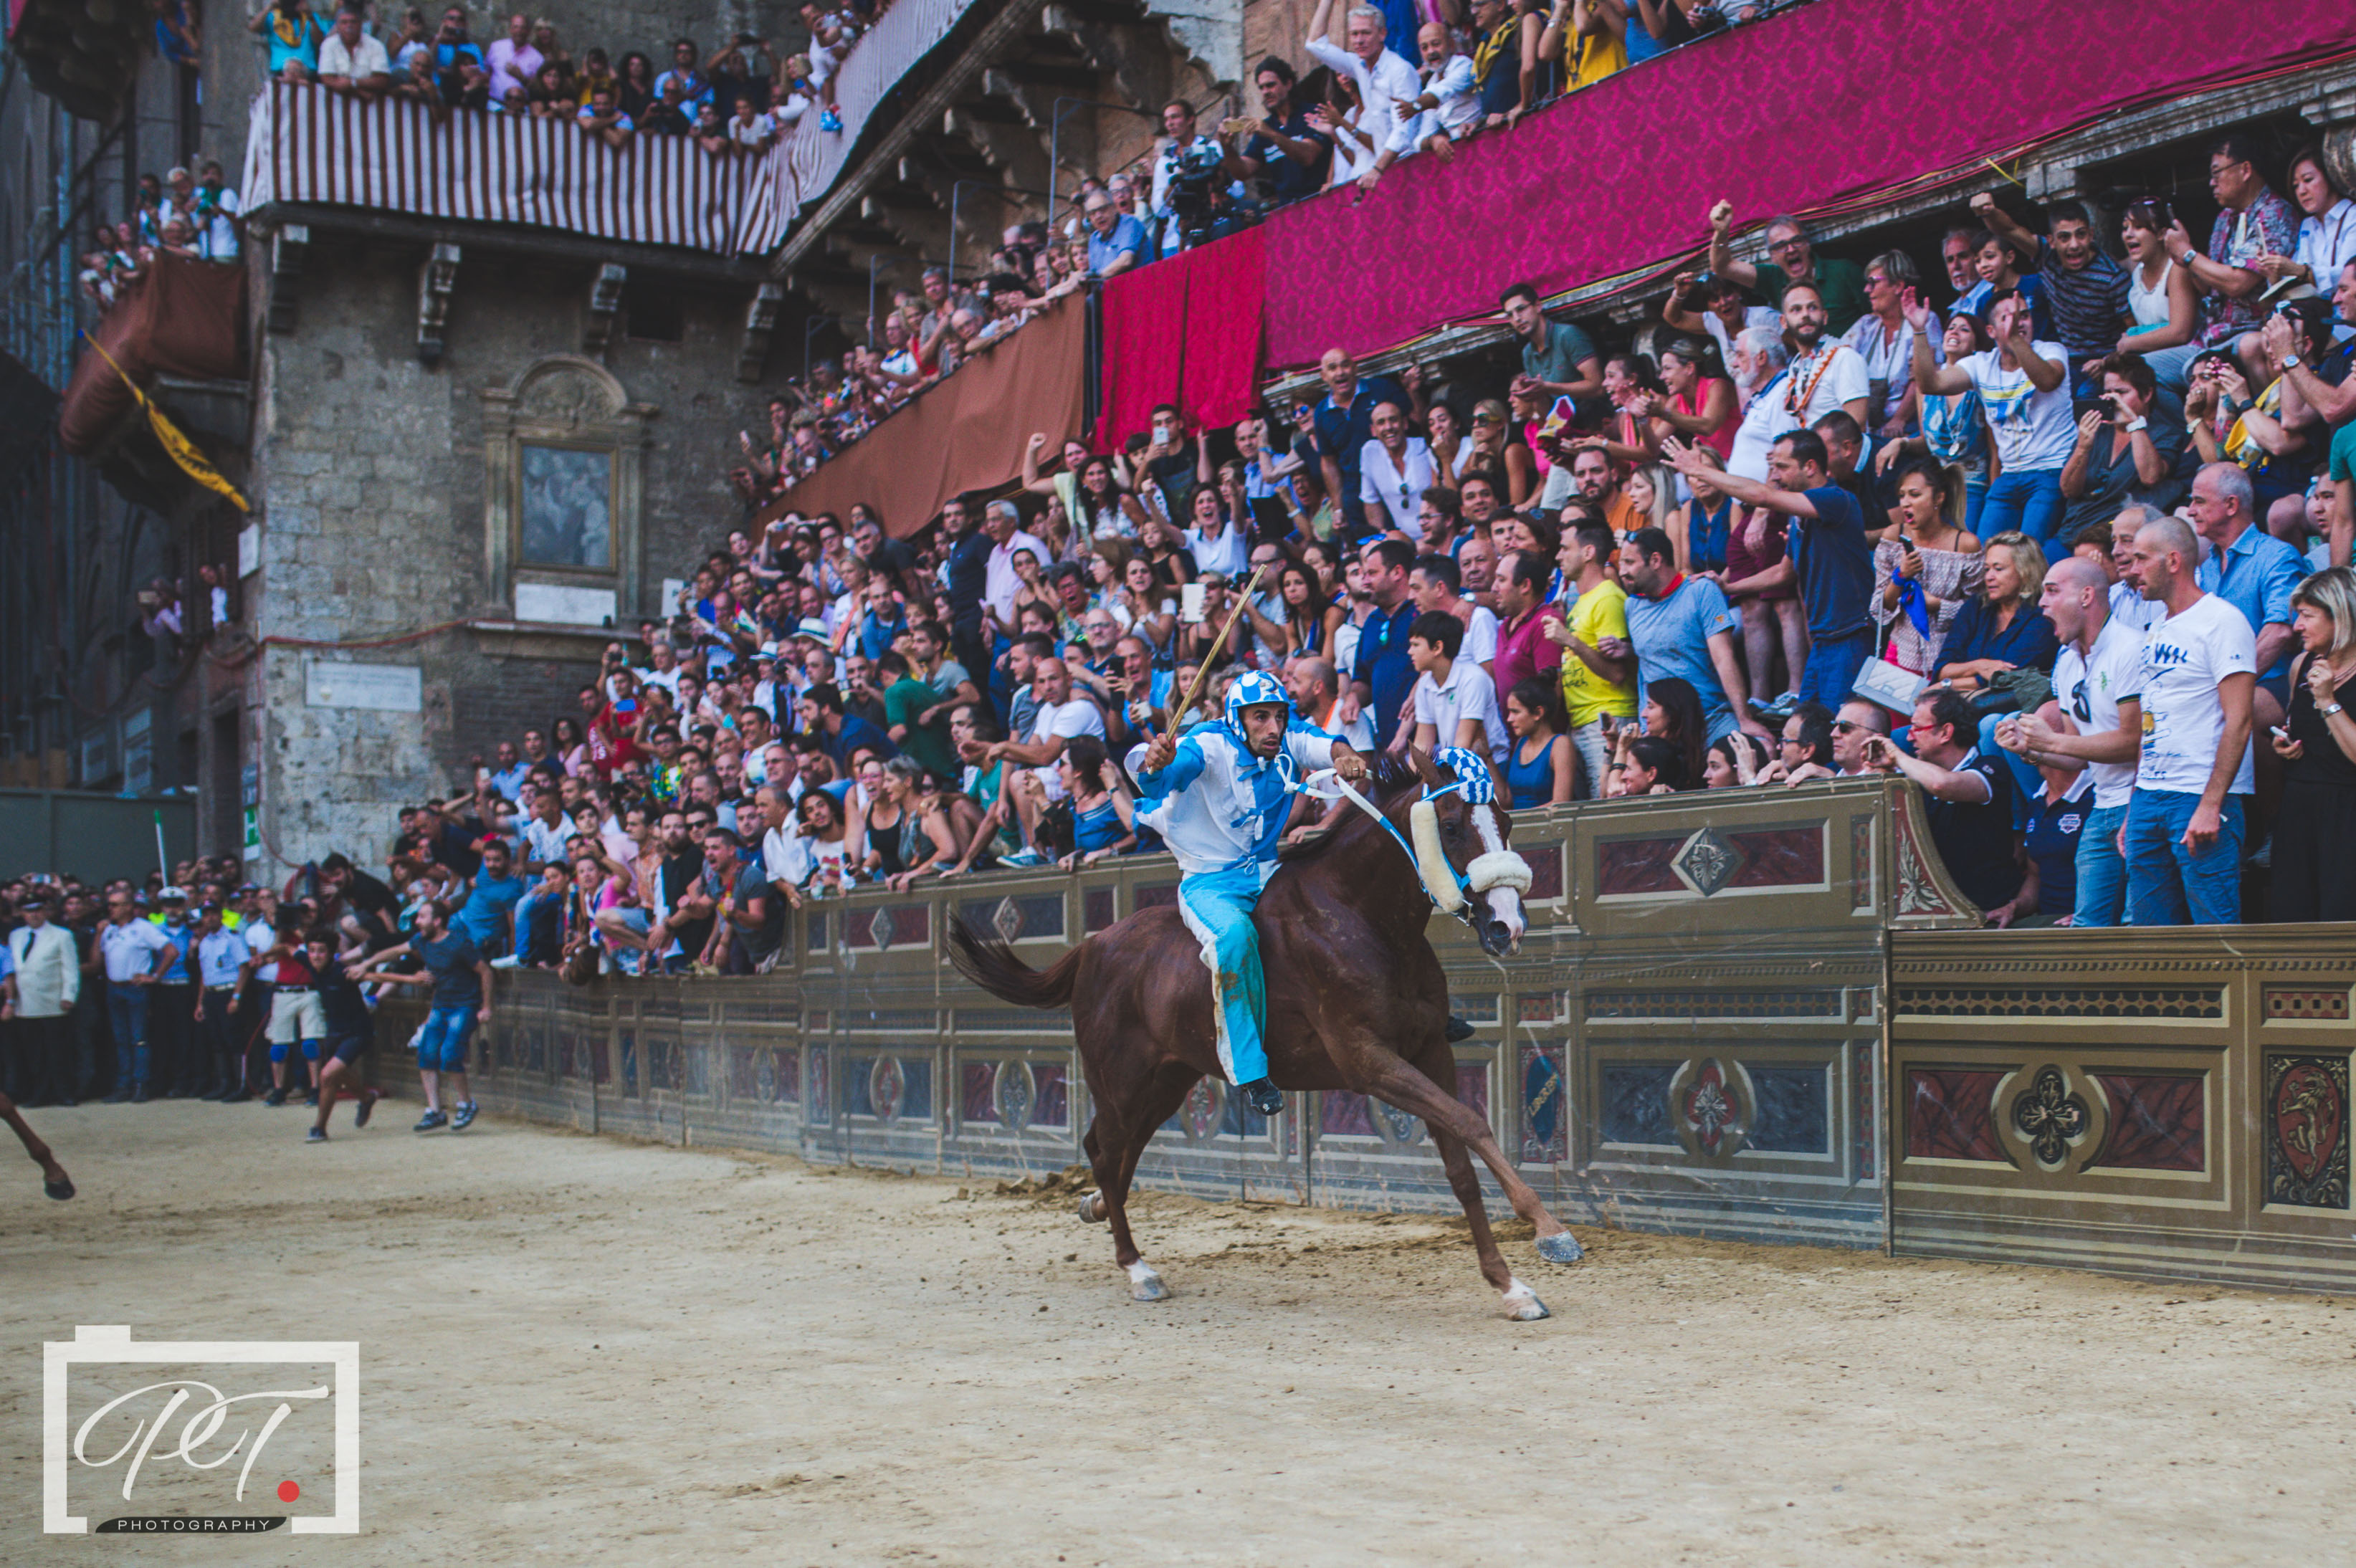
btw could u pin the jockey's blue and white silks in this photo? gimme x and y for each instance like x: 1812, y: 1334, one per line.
x: 1216, y: 806
x: 1221, y: 811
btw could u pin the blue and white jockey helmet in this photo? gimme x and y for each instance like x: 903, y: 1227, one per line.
x: 1473, y: 779
x: 1254, y: 689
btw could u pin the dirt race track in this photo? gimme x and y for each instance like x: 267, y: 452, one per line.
x: 575, y: 1350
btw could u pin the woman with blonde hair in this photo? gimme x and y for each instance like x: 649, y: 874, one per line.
x: 2002, y: 628
x: 1491, y: 450
x: 2315, y: 827
x: 1652, y: 491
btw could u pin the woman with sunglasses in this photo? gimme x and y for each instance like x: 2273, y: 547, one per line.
x: 1495, y: 452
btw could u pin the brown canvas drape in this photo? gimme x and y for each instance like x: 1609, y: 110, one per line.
x: 183, y: 318
x: 967, y: 433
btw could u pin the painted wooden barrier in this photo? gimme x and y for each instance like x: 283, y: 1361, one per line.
x: 2169, y: 1103
x: 1687, y: 1041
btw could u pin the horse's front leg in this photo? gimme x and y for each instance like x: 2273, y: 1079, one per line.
x: 1384, y: 1075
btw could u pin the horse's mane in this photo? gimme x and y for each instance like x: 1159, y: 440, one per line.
x: 1392, y: 775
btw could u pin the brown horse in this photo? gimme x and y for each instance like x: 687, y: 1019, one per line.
x: 1356, y: 1001
x: 53, y: 1180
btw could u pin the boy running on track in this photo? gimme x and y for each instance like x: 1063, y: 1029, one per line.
x: 349, y: 1028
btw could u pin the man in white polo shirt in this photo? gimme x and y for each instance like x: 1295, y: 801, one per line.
x: 2200, y: 675
x: 134, y: 952
x: 1455, y: 703
x: 1062, y: 715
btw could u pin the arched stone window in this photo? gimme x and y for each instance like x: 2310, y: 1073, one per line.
x: 564, y: 455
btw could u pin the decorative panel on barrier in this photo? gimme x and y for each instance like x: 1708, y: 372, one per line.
x: 2172, y: 1106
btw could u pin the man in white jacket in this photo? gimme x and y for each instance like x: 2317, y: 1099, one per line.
x: 1446, y: 105
x: 1384, y: 81
x: 39, y: 994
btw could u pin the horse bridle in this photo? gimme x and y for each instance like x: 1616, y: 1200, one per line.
x: 1492, y: 870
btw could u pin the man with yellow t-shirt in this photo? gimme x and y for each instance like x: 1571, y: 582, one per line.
x: 1593, y: 684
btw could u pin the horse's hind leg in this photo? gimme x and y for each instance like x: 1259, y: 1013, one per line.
x: 1092, y: 1204
x: 1389, y: 1078
x: 53, y: 1180
x: 1156, y: 1101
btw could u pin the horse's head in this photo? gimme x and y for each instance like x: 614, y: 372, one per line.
x: 1460, y: 835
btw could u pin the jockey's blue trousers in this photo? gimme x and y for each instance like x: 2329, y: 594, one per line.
x: 1217, y: 908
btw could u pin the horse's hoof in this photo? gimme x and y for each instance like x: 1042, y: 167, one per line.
x: 1092, y: 1208
x: 59, y: 1189
x: 1523, y: 1306
x: 1562, y: 1248
x: 1145, y: 1285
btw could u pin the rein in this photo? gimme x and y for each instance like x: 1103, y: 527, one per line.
x: 1342, y: 789
x: 1494, y: 870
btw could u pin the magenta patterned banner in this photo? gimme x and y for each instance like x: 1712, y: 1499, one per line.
x: 1800, y: 113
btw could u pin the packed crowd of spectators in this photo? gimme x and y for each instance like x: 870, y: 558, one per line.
x: 735, y: 99
x: 926, y: 333
x: 2089, y: 592
x: 196, y: 216
x: 1394, y: 85
x: 2068, y: 548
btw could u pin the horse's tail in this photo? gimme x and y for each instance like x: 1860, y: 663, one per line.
x: 993, y: 966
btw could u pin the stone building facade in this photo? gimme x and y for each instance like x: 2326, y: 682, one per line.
x: 387, y: 489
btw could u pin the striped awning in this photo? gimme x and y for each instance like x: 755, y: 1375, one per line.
x: 308, y: 145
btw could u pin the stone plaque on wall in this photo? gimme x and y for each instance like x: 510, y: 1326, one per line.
x: 550, y: 603
x: 384, y: 688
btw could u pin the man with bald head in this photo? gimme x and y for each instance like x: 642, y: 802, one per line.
x: 1343, y: 422
x: 2096, y: 679
x: 2193, y: 774
x: 1857, y: 722
x: 1315, y: 691
x: 2128, y: 603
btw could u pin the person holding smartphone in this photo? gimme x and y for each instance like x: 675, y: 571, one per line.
x: 2126, y: 449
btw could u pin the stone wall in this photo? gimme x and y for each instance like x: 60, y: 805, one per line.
x: 371, y: 484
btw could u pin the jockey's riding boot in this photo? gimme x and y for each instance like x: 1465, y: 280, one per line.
x: 1459, y: 1029
x: 1262, y: 1095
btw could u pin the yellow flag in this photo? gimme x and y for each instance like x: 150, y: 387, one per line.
x: 181, y: 450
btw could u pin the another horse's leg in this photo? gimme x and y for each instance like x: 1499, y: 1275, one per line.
x: 1389, y: 1078
x: 1157, y: 1100
x: 53, y: 1180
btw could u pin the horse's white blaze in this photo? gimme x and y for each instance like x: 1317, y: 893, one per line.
x: 1504, y: 901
